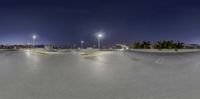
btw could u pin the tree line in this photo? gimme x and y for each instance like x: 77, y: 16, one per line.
x: 166, y: 44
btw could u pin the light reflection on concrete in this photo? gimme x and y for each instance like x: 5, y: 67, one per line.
x: 33, y: 58
x: 28, y: 53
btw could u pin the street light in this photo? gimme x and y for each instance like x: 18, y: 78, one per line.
x: 82, y: 44
x: 34, y: 37
x: 99, y: 36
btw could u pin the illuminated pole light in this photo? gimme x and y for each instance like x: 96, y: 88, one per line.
x: 34, y: 37
x: 100, y: 35
x: 82, y: 44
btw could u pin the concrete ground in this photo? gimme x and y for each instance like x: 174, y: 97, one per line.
x: 99, y: 75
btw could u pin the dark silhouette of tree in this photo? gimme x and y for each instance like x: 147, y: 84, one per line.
x: 137, y: 45
x: 143, y: 45
x: 146, y: 45
x: 168, y: 45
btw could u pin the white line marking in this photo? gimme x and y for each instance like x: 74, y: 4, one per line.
x: 163, y: 60
x: 160, y: 60
x: 157, y: 61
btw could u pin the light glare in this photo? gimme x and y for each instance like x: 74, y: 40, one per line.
x: 100, y: 35
x: 34, y: 37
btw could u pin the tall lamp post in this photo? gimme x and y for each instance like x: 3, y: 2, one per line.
x: 99, y: 36
x: 82, y: 44
x: 34, y: 37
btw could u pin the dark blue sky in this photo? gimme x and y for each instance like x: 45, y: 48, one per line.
x: 70, y: 21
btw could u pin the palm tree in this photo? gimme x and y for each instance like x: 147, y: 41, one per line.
x: 158, y: 45
x: 146, y: 45
x: 169, y: 45
x: 180, y: 45
x: 143, y: 45
x: 137, y: 45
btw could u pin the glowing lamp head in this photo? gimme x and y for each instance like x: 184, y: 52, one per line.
x: 34, y: 37
x: 100, y: 35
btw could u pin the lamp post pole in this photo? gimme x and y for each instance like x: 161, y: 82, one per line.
x: 82, y: 44
x: 34, y: 38
x: 99, y: 40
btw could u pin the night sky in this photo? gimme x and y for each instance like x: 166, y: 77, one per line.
x: 70, y: 21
